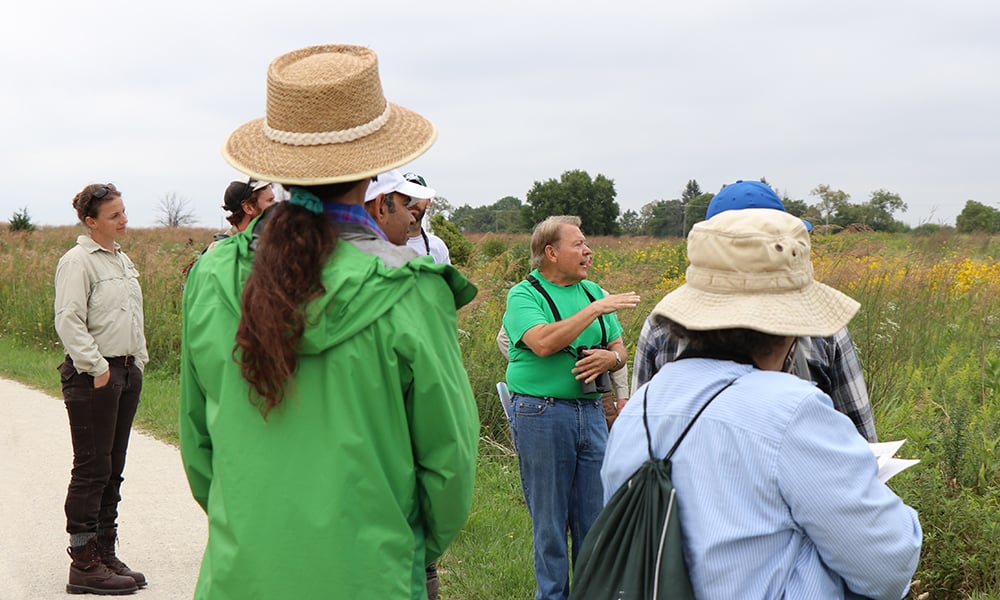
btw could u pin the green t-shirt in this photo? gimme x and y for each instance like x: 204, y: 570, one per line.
x: 528, y: 373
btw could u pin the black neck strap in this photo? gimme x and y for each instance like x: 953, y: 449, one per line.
x: 427, y: 242
x: 555, y: 311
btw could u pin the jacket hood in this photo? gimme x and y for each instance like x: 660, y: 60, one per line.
x: 359, y: 288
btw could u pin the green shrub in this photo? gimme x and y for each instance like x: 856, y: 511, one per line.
x: 21, y: 221
x: 459, y: 248
x: 491, y: 247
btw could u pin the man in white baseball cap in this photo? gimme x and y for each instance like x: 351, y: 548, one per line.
x: 393, y: 182
x: 387, y: 201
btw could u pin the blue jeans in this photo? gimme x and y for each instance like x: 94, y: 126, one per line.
x: 560, y: 447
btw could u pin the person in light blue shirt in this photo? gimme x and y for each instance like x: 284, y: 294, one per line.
x: 831, y: 362
x: 779, y: 496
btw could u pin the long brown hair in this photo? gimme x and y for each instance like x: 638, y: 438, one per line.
x: 286, y: 275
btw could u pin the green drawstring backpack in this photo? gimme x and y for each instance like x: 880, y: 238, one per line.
x: 634, y: 550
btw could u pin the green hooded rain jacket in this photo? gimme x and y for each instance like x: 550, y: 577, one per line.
x: 364, y: 474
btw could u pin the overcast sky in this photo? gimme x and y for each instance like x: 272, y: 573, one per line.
x: 902, y: 95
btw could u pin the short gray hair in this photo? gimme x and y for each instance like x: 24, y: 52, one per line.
x: 547, y: 232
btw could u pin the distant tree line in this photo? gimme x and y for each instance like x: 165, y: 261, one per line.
x: 574, y: 193
x: 594, y: 201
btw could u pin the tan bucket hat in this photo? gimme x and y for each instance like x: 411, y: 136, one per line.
x: 327, y: 122
x: 750, y: 269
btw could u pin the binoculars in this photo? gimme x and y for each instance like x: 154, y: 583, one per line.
x: 602, y: 383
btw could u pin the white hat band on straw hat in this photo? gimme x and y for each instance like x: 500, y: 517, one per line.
x: 327, y: 137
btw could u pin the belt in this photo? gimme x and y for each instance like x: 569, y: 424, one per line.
x: 120, y: 361
x: 552, y: 399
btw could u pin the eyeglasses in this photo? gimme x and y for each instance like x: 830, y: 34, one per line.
x: 414, y: 178
x: 103, y: 191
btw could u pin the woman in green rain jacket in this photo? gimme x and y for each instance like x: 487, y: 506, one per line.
x: 327, y: 423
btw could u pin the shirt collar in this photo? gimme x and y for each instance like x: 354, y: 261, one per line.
x: 91, y: 246
x: 351, y: 213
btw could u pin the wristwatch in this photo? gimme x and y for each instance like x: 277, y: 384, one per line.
x: 618, y: 360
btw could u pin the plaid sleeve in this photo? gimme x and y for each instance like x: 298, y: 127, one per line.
x: 655, y: 348
x: 839, y: 375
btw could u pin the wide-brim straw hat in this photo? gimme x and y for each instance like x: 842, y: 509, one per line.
x: 751, y: 269
x: 327, y: 122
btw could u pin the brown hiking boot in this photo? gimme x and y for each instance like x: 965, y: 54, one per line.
x: 106, y: 546
x: 88, y: 575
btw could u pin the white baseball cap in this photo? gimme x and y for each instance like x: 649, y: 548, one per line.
x: 393, y: 181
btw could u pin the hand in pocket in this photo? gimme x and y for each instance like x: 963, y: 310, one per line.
x: 102, y: 379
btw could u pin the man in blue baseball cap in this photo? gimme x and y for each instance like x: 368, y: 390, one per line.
x: 831, y: 362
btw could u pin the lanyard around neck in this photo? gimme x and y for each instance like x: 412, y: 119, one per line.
x: 427, y: 242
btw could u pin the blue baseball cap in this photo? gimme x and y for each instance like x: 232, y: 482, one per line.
x: 746, y: 194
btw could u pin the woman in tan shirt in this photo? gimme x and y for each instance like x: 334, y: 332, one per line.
x: 99, y: 319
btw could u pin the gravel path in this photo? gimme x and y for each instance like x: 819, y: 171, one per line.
x: 162, y: 531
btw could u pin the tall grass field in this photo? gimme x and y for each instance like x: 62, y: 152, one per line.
x: 928, y: 334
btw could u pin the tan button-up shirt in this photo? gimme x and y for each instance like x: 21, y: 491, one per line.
x: 98, y: 307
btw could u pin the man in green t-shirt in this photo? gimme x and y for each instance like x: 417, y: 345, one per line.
x: 564, y: 338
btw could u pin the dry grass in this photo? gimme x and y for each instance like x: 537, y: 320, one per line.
x: 928, y: 335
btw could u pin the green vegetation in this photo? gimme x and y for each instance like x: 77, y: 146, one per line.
x: 504, y: 215
x: 594, y: 200
x: 575, y: 193
x: 459, y: 248
x: 976, y: 216
x: 928, y: 335
x: 21, y: 221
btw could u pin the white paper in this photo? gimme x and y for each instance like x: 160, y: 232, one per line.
x: 888, y: 464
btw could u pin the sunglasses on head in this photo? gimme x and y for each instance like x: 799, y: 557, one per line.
x: 103, y: 191
x: 249, y: 191
x: 414, y: 178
